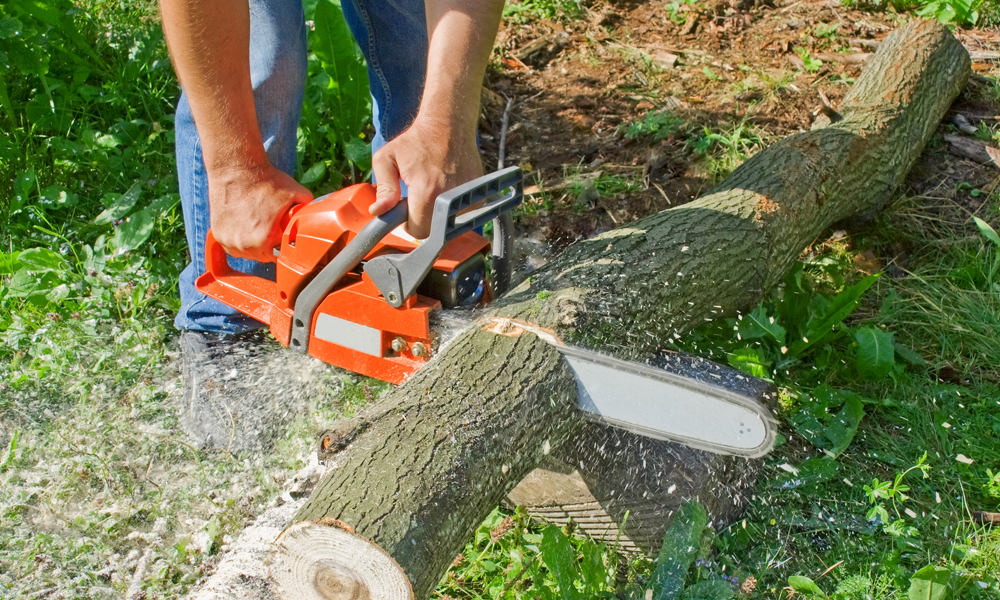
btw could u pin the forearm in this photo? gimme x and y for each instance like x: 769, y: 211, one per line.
x: 209, y: 42
x: 461, y: 34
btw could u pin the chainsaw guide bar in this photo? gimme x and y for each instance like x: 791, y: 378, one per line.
x: 658, y: 403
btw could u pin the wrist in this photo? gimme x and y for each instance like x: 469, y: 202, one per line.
x: 450, y: 130
x: 244, y: 167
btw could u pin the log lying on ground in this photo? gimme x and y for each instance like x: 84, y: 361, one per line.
x: 438, y: 453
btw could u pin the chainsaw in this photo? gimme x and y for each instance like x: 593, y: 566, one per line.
x: 356, y: 291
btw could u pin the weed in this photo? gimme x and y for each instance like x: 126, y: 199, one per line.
x: 960, y: 12
x: 812, y: 64
x: 827, y: 31
x: 893, y: 491
x: 710, y: 74
x: 94, y: 467
x: 728, y: 148
x: 656, y: 125
x: 532, y: 10
x: 676, y: 10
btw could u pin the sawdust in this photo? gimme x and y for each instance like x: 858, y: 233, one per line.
x: 245, y: 568
x: 244, y: 572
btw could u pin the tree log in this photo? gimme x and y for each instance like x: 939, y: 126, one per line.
x: 442, y: 450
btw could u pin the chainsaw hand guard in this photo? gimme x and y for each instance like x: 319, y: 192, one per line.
x: 344, y: 261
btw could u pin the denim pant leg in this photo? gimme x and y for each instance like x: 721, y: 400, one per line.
x: 278, y: 72
x: 393, y: 36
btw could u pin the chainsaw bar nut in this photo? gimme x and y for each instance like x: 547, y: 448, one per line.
x: 419, y: 349
x: 398, y: 344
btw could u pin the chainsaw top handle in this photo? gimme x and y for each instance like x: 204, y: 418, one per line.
x: 491, y: 197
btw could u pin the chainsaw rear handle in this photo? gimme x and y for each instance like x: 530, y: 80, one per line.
x: 397, y: 276
x: 215, y: 254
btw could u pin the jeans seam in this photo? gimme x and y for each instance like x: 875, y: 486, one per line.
x: 376, y: 67
x: 197, y: 217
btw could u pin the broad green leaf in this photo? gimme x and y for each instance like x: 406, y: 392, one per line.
x: 560, y: 558
x: 680, y: 546
x: 29, y: 58
x: 807, y: 587
x: 41, y: 259
x: 9, y: 262
x: 810, y: 427
x: 119, y: 205
x: 57, y: 196
x: 595, y: 574
x: 987, y: 231
x: 24, y: 184
x: 133, y: 232
x: 794, y: 305
x: 94, y: 260
x: 844, y: 425
x: 876, y: 353
x: 833, y: 315
x: 714, y: 589
x: 931, y: 583
x: 909, y: 355
x: 359, y: 152
x: 342, y: 60
x: 313, y: 174
x: 163, y: 204
x: 811, y: 472
x: 57, y: 294
x: 758, y: 324
x: 33, y: 285
x: 750, y: 361
x: 9, y: 27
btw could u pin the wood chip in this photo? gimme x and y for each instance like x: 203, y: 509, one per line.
x: 664, y: 59
x: 983, y: 56
x: 984, y: 517
x: 856, y: 58
x: 867, y: 44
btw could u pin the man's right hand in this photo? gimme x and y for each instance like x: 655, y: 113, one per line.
x: 246, y: 208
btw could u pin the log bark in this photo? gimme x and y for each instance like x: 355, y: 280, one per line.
x: 441, y: 451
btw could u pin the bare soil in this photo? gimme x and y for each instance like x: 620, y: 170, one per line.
x: 577, y: 84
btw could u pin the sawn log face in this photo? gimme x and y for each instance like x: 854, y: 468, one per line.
x: 445, y: 447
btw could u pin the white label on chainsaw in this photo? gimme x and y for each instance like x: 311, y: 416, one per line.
x: 349, y: 335
x: 659, y: 409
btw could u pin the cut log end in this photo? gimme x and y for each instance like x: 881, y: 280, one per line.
x: 327, y: 560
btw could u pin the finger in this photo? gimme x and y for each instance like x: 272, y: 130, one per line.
x: 421, y: 202
x: 387, y: 176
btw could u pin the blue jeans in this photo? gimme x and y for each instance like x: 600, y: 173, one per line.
x: 393, y: 36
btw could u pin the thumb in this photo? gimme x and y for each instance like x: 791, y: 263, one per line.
x: 387, y: 191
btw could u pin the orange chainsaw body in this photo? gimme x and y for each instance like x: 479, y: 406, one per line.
x: 353, y: 327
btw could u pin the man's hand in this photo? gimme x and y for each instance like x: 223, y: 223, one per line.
x: 431, y: 159
x: 438, y: 152
x: 246, y: 208
x: 209, y: 43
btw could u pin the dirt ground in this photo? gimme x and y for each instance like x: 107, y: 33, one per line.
x: 576, y: 86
